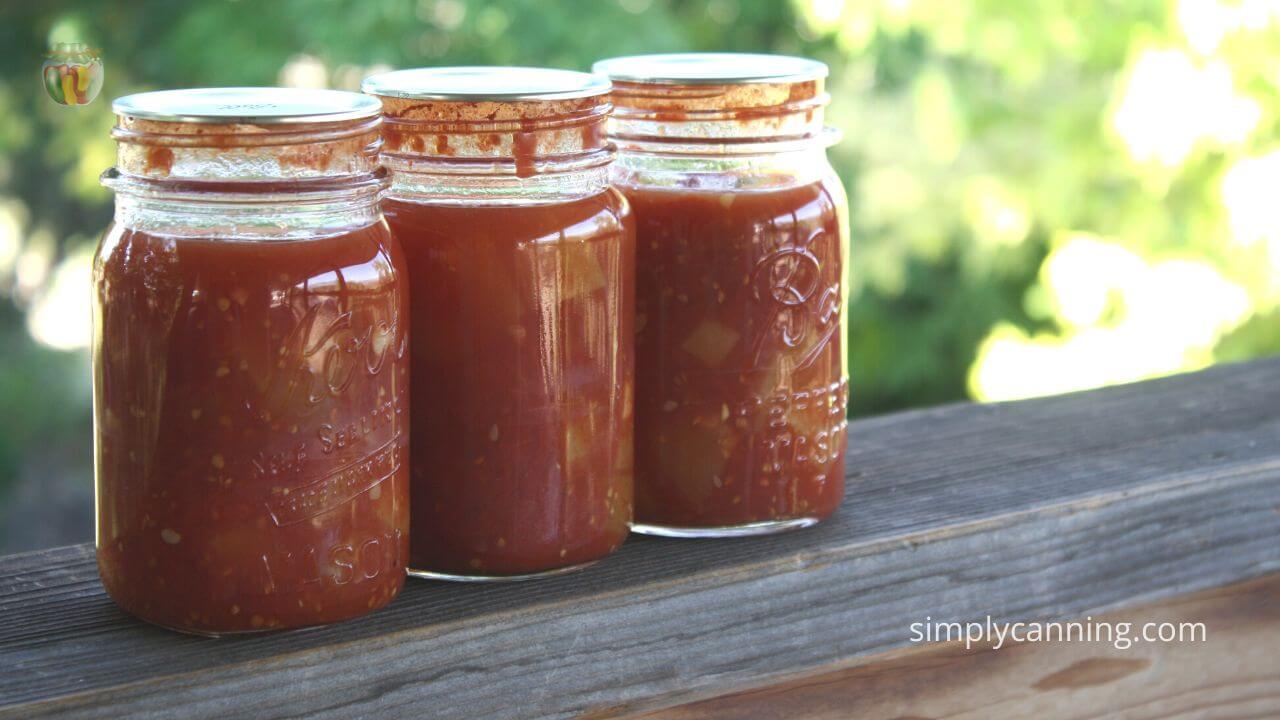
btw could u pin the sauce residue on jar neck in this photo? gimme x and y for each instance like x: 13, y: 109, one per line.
x: 534, y: 136
x: 164, y: 150
x: 750, y: 112
x: 246, y: 163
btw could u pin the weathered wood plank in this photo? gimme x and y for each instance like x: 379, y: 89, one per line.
x: 1046, y: 508
x: 1232, y: 672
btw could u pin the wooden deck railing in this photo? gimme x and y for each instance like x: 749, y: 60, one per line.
x: 1042, y: 509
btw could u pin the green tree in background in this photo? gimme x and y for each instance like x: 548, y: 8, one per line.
x: 1045, y: 196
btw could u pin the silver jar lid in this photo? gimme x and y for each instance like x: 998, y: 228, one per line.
x: 248, y: 106
x: 480, y: 84
x: 710, y: 69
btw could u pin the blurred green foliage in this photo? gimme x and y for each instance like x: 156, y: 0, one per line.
x: 1045, y: 196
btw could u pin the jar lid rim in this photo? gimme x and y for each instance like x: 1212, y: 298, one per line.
x: 710, y: 69
x: 482, y: 83
x: 248, y: 106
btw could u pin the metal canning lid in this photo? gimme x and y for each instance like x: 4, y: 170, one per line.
x: 481, y: 84
x: 248, y: 106
x: 710, y: 69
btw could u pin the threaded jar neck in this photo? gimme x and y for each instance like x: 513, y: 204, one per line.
x: 494, y: 134
x: 715, y: 103
x: 247, y: 162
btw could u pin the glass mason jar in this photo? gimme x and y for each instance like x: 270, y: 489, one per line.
x: 250, y: 363
x: 741, y: 290
x: 521, y: 264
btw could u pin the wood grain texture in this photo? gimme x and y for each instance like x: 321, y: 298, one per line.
x: 1044, y: 508
x: 1233, y: 673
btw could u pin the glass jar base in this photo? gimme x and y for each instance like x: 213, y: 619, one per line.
x: 453, y: 577
x: 767, y: 527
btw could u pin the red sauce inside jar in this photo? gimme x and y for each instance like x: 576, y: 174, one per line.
x: 251, y: 402
x: 522, y: 382
x: 741, y: 382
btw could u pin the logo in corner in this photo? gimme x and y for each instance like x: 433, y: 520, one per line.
x: 73, y: 74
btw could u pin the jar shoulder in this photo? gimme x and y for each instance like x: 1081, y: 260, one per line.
x: 748, y: 173
x: 416, y: 221
x: 367, y: 256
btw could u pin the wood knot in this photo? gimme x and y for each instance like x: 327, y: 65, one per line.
x: 1090, y: 672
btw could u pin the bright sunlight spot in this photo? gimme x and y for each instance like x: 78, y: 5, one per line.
x: 1126, y: 319
x: 59, y: 317
x: 1170, y: 103
x: 1249, y: 193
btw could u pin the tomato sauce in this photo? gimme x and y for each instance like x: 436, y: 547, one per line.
x: 522, y: 277
x: 251, y: 400
x: 741, y: 382
x: 741, y: 289
x: 522, y: 382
